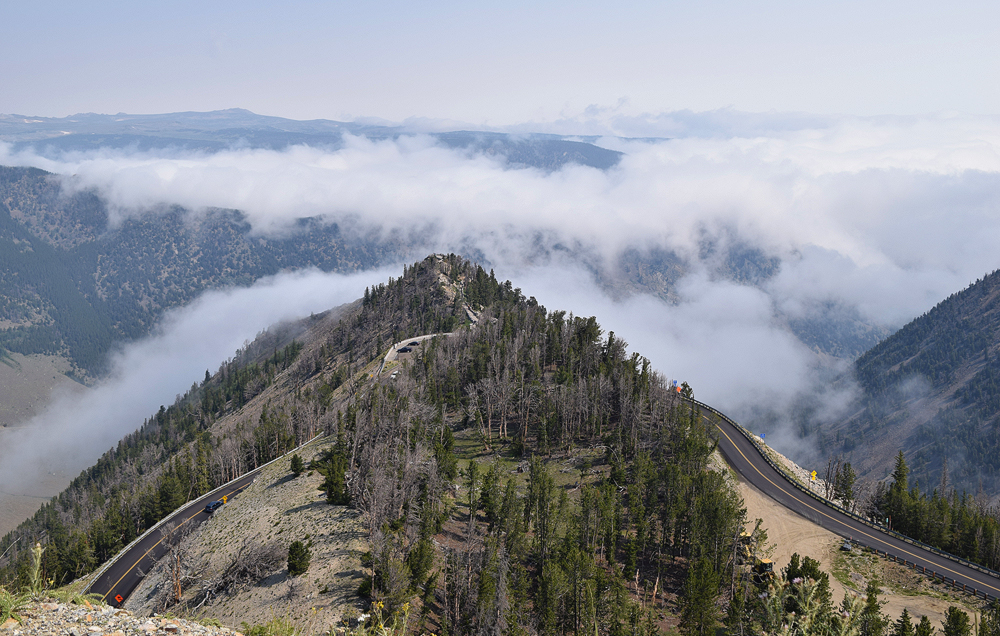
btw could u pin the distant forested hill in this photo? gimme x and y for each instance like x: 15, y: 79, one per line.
x: 236, y: 127
x: 932, y: 389
x: 70, y: 283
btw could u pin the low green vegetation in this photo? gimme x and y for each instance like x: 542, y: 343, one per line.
x: 275, y: 627
x: 798, y: 602
x: 11, y: 605
x: 297, y: 466
x: 14, y: 604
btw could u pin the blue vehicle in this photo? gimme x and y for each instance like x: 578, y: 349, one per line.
x: 213, y: 506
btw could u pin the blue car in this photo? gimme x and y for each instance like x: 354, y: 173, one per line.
x: 213, y: 506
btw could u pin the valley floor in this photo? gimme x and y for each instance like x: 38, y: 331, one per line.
x: 28, y: 385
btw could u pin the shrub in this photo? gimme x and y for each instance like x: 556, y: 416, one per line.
x: 275, y: 627
x: 11, y: 605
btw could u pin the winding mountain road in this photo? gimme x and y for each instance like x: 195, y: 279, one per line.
x: 126, y: 572
x: 748, y: 460
x: 744, y: 455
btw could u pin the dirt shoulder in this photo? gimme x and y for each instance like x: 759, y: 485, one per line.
x: 903, y: 588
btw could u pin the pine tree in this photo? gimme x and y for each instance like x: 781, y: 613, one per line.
x: 873, y: 621
x: 699, y: 613
x: 297, y: 465
x: 844, y: 488
x: 956, y: 623
x: 899, y: 494
x: 298, y: 558
x: 903, y: 627
x: 990, y: 625
x: 924, y: 628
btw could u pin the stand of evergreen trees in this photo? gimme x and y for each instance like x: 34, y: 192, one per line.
x: 961, y: 524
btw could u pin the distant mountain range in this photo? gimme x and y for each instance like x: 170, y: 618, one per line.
x: 238, y: 128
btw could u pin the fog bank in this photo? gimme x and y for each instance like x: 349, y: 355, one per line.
x: 877, y: 219
x: 77, y: 428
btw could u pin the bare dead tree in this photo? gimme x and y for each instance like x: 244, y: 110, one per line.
x: 179, y: 570
x: 252, y: 562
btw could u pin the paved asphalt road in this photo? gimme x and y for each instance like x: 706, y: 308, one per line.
x: 747, y: 460
x: 125, y: 575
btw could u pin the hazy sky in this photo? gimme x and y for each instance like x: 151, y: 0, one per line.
x: 501, y: 64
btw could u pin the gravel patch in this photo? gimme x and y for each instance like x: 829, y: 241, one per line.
x: 50, y: 619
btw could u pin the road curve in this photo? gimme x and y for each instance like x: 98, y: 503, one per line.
x: 393, y: 352
x: 127, y: 568
x: 125, y: 574
x: 746, y: 458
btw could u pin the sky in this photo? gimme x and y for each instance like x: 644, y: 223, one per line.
x: 499, y: 64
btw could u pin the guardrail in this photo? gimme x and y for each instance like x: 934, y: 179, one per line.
x: 107, y: 564
x: 759, y: 445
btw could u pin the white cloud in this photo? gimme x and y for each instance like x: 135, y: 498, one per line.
x: 78, y: 428
x: 882, y: 216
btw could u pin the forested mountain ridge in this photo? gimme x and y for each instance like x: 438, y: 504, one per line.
x: 73, y: 283
x: 932, y: 389
x: 517, y: 551
x: 224, y: 425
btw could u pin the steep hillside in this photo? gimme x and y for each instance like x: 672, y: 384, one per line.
x: 270, y: 397
x: 932, y: 390
x: 601, y: 542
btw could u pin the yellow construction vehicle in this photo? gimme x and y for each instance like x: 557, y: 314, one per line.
x: 763, y: 571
